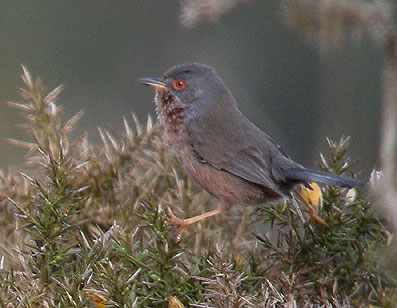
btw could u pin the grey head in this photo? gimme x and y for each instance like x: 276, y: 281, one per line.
x: 195, y: 88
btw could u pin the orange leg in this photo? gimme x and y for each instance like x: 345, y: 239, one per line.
x: 181, y: 224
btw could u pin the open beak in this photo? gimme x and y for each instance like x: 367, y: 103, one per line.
x: 156, y: 83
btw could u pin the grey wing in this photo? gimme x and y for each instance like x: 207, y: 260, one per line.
x: 244, y: 151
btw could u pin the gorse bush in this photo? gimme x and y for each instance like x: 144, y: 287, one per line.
x: 82, y: 225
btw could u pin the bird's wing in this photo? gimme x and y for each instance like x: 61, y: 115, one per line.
x: 238, y: 147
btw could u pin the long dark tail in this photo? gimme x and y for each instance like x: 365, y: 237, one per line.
x: 307, y: 175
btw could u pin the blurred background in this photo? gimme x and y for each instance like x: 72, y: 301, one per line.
x: 99, y: 48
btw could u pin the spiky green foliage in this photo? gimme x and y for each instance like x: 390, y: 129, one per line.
x: 82, y: 224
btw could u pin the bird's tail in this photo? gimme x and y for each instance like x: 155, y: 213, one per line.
x: 307, y: 175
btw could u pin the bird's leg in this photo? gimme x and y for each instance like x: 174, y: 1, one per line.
x: 181, y: 224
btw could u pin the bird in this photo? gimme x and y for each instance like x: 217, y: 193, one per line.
x: 220, y: 148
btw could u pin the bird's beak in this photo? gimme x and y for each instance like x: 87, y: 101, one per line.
x: 156, y: 83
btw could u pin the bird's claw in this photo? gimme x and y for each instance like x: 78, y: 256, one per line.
x: 173, y: 220
x: 314, y: 217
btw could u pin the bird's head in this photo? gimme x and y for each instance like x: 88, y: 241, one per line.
x: 188, y: 90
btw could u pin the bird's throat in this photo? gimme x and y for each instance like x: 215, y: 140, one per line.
x: 169, y: 111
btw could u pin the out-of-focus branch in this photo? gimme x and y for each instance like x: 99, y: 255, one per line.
x: 195, y: 11
x: 385, y: 190
x: 327, y: 22
x: 387, y: 155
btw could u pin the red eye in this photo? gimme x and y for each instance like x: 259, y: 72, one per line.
x: 179, y: 84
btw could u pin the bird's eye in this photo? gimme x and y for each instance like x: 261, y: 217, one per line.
x: 179, y: 84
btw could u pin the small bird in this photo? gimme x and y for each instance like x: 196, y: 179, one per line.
x: 219, y: 148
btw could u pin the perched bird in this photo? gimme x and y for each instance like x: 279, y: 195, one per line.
x: 219, y: 148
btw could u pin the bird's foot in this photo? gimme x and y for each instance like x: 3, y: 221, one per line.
x: 179, y: 223
x: 314, y: 217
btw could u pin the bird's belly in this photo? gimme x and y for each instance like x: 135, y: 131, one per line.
x: 223, y: 185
